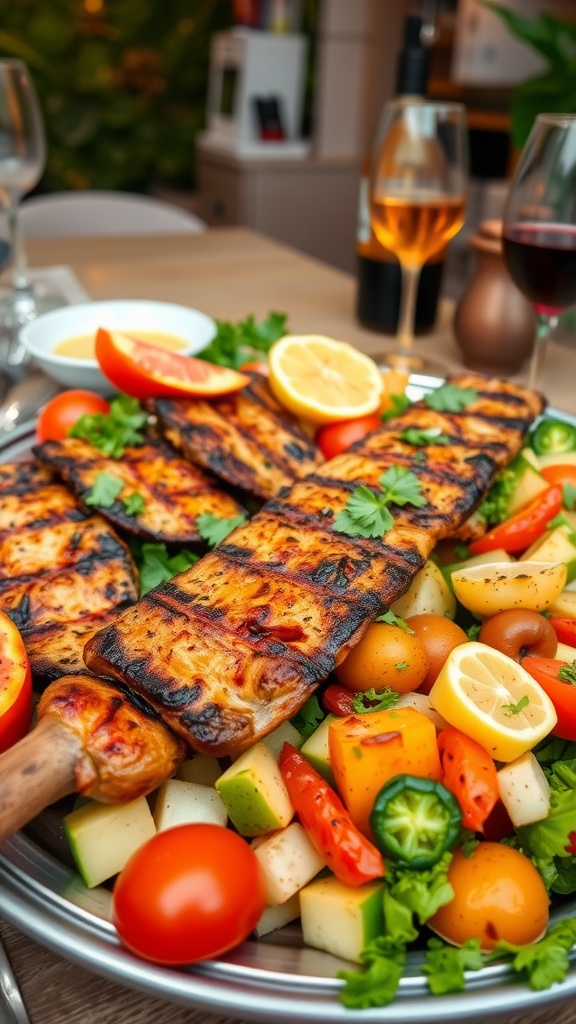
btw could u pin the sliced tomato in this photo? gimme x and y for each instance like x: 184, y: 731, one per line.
x: 334, y: 438
x: 558, y: 474
x: 348, y: 854
x: 562, y: 693
x: 565, y: 629
x: 15, y: 685
x: 144, y: 371
x: 521, y: 530
x: 469, y: 773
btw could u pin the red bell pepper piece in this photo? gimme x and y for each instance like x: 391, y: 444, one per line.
x: 521, y: 530
x: 469, y: 773
x: 348, y: 854
x: 562, y: 692
x: 565, y: 629
x: 338, y: 700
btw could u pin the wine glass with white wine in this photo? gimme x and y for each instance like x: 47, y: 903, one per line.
x: 22, y: 162
x: 418, y: 186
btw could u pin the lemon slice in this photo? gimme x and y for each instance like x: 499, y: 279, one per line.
x: 491, y: 698
x: 323, y: 380
x: 498, y: 586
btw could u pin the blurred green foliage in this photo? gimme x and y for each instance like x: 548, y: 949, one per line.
x: 122, y: 85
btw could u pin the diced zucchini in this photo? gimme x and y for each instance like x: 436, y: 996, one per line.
x: 178, y: 803
x: 103, y: 836
x: 429, y: 593
x: 284, y: 733
x: 288, y: 860
x: 200, y: 768
x: 339, y: 918
x: 524, y: 790
x: 316, y: 750
x: 276, y: 917
x: 254, y: 793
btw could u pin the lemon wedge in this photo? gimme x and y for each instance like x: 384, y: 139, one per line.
x: 323, y: 380
x: 491, y: 698
x: 499, y: 586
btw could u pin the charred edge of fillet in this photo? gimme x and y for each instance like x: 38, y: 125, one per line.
x: 201, y: 443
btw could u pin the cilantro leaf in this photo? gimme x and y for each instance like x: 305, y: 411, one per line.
x: 156, y: 565
x: 214, y: 530
x: 374, y: 700
x: 134, y: 504
x: 366, y: 513
x: 105, y: 490
x: 113, y: 432
x: 515, y: 709
x: 399, y: 405
x: 450, y: 398
x: 234, y: 344
x: 308, y: 718
x: 444, y: 965
x: 394, y: 620
x: 421, y: 438
x: 567, y: 674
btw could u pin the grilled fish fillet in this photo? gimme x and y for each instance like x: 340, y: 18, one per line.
x: 174, y: 492
x: 63, y: 572
x: 235, y: 645
x: 246, y: 438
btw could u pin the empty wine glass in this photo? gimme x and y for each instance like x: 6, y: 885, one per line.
x: 22, y: 162
x: 539, y: 229
x: 418, y: 183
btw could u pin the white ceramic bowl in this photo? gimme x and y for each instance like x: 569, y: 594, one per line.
x: 41, y: 335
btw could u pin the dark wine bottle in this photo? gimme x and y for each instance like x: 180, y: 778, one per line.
x: 378, y: 274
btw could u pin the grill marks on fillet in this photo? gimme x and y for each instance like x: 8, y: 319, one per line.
x: 246, y: 439
x: 64, y: 573
x: 174, y: 492
x: 235, y: 645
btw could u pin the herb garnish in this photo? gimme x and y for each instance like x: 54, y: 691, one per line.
x: 308, y: 718
x: 567, y: 674
x: 113, y: 432
x: 214, y: 529
x: 374, y: 700
x: 394, y: 620
x: 450, y: 398
x: 156, y: 565
x: 421, y: 438
x: 235, y: 344
x: 367, y: 514
x: 107, y: 488
x: 515, y: 709
x: 399, y: 404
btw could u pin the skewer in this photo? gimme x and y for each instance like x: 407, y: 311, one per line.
x: 91, y: 738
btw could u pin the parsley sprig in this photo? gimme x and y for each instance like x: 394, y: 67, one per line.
x: 421, y: 438
x: 111, y: 433
x: 235, y: 344
x: 214, y: 529
x: 367, y: 513
x: 450, y: 398
x: 107, y: 488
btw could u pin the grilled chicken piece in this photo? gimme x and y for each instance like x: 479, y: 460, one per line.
x: 246, y: 438
x: 92, y: 737
x: 174, y: 492
x: 63, y: 572
x: 235, y: 645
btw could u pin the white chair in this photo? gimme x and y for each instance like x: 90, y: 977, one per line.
x: 93, y: 212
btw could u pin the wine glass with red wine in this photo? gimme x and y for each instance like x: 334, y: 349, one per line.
x: 418, y: 186
x: 539, y: 229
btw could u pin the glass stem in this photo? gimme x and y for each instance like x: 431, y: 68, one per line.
x: 544, y: 326
x: 407, y: 317
x: 18, y: 256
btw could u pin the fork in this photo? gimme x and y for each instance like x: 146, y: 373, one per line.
x: 12, y: 1009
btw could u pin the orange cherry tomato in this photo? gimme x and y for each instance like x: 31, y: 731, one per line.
x: 558, y: 474
x: 498, y: 895
x: 439, y: 636
x: 334, y: 438
x: 190, y: 893
x: 16, y: 703
x: 145, y: 371
x: 384, y: 656
x: 64, y: 410
x: 519, y: 632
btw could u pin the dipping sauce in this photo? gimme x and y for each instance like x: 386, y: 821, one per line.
x: 81, y: 346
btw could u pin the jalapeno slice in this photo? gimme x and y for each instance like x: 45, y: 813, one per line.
x: 552, y: 437
x: 415, y: 820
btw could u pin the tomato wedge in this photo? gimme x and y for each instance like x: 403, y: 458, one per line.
x: 521, y: 530
x: 564, y: 628
x: 559, y: 474
x: 348, y: 854
x: 562, y: 692
x: 145, y: 371
x: 470, y: 775
x: 15, y: 685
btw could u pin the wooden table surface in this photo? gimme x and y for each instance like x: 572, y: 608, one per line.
x: 227, y: 273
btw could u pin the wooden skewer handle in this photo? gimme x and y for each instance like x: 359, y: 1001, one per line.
x: 36, y: 772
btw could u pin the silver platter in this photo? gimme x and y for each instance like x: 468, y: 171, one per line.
x: 276, y: 978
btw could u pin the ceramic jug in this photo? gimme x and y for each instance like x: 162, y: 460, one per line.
x: 494, y: 324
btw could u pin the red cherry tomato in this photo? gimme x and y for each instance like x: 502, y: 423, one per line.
x: 62, y: 412
x: 521, y: 530
x: 188, y: 894
x: 334, y: 438
x: 146, y: 371
x: 562, y: 693
x: 15, y: 685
